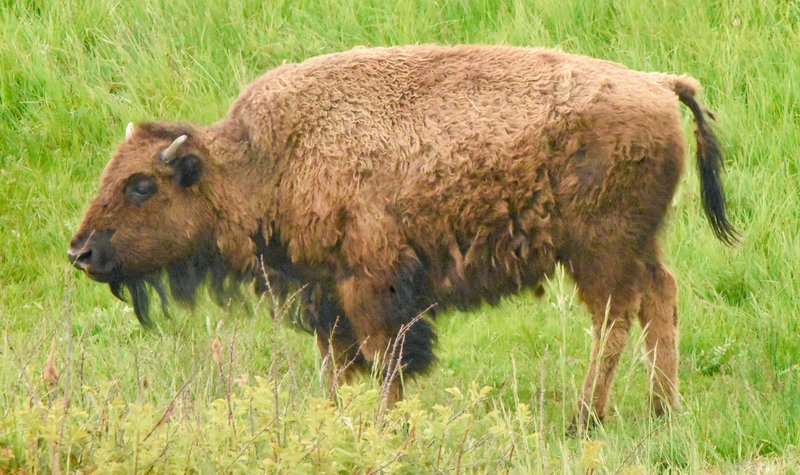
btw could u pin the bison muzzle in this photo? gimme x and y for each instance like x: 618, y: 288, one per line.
x: 389, y: 182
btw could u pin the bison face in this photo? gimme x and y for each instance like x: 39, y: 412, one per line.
x: 150, y: 213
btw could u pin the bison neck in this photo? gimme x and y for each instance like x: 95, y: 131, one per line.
x: 238, y: 184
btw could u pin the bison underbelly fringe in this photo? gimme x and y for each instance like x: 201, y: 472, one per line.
x: 491, y: 266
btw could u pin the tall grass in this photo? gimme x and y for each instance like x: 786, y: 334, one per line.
x: 199, y: 390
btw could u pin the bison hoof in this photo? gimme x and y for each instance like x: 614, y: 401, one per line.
x: 583, y: 423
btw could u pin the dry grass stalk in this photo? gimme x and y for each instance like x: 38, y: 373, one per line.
x: 49, y: 372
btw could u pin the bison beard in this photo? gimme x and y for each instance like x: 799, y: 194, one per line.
x: 184, y: 278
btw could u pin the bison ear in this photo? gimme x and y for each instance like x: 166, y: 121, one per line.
x: 188, y: 170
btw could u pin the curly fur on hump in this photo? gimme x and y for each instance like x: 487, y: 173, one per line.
x: 392, y: 180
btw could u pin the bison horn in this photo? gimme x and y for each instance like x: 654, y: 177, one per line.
x: 129, y: 131
x: 168, y: 155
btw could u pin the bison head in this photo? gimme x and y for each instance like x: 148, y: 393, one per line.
x: 153, y: 218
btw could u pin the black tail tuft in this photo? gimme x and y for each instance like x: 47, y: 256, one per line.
x: 709, y: 164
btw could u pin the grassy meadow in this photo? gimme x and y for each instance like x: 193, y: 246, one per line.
x: 85, y: 389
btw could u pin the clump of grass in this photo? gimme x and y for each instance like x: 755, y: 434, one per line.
x: 240, y: 433
x: 246, y: 423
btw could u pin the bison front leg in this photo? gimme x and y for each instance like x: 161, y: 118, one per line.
x: 383, y: 318
x: 341, y: 359
x: 336, y: 338
x: 659, y: 319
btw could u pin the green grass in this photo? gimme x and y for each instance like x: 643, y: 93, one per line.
x: 73, y: 73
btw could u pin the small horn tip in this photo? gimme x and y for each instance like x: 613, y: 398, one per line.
x: 129, y: 130
x: 168, y: 154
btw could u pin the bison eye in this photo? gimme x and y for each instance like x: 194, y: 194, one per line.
x: 139, y: 188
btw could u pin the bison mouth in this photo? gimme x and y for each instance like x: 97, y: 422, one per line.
x: 111, y: 276
x: 179, y: 281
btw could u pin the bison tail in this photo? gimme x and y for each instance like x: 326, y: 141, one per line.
x: 709, y: 162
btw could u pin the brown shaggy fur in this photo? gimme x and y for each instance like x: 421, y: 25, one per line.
x: 393, y: 179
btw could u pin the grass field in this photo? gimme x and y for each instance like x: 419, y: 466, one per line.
x: 85, y: 388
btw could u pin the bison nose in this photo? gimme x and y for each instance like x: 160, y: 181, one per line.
x: 80, y: 258
x: 93, y: 253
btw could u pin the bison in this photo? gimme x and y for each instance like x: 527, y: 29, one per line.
x: 386, y: 181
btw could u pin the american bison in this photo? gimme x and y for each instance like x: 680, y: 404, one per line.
x: 390, y: 180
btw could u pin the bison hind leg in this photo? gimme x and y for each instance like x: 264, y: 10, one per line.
x: 609, y: 282
x: 659, y: 319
